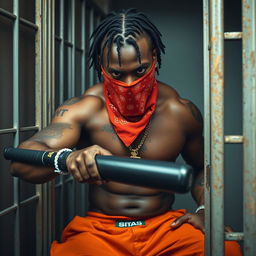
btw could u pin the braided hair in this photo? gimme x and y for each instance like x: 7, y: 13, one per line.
x: 119, y: 28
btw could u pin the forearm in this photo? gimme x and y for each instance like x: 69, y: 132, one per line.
x: 197, y: 190
x: 33, y: 173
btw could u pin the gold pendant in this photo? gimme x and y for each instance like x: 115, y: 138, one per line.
x: 134, y: 154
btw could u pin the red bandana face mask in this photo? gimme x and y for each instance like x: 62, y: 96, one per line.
x: 128, y: 100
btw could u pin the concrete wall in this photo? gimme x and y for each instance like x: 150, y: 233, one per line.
x: 103, y: 4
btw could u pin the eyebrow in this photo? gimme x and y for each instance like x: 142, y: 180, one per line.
x: 143, y: 65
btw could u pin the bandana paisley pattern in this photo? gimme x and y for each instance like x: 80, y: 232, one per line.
x: 128, y: 100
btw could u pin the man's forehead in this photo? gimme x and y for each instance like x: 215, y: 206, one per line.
x: 128, y: 50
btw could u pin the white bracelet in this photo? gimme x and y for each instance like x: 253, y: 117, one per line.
x: 201, y: 207
x: 57, y: 169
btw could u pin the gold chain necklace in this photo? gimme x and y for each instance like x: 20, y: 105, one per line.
x: 135, y: 151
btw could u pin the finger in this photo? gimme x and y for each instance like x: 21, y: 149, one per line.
x: 76, y: 173
x: 103, y: 151
x: 100, y: 151
x: 179, y: 221
x: 92, y: 167
x: 82, y: 167
x: 73, y: 168
x: 228, y: 229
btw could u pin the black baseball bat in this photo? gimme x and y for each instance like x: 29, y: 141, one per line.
x: 156, y: 174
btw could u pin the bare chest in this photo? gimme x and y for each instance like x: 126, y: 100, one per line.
x: 164, y: 140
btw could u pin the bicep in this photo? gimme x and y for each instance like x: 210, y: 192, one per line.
x: 65, y: 129
x: 58, y: 135
x: 193, y: 151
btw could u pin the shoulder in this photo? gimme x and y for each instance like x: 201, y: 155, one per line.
x: 96, y: 90
x: 183, y: 109
x: 82, y: 107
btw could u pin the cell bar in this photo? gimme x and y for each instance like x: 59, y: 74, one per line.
x: 16, y: 85
x: 91, y: 28
x: 28, y: 24
x: 79, y: 49
x: 217, y: 126
x: 234, y: 236
x: 70, y: 179
x: 72, y: 24
x: 234, y: 139
x: 9, y: 130
x: 73, y: 51
x: 29, y: 200
x: 61, y: 54
x: 207, y: 127
x: 7, y: 14
x: 232, y: 35
x: 58, y: 38
x: 61, y: 98
x: 83, y: 45
x: 249, y: 125
x: 69, y: 44
x: 40, y: 231
x: 23, y: 21
x: 8, y: 210
x: 29, y: 128
x: 83, y: 85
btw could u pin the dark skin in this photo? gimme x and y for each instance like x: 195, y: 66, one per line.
x: 176, y: 128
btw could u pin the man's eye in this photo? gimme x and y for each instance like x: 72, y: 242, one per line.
x: 141, y: 71
x: 115, y: 74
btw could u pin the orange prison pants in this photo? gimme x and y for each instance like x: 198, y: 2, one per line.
x: 98, y: 235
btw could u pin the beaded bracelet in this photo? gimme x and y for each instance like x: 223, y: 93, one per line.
x: 56, y: 161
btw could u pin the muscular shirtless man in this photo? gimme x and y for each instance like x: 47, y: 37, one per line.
x: 129, y: 112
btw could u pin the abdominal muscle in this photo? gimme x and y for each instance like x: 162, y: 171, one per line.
x: 118, y: 199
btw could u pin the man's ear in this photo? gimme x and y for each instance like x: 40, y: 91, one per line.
x: 154, y: 54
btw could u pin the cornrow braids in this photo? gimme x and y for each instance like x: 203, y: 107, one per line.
x: 119, y: 28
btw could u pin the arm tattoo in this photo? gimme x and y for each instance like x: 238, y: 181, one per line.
x: 195, y: 112
x: 60, y: 112
x: 53, y: 131
x: 71, y: 101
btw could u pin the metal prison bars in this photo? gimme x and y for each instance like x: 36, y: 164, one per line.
x: 90, y: 15
x: 214, y: 37
x: 45, y: 65
x: 214, y: 115
x: 16, y: 129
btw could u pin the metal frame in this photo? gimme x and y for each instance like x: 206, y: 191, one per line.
x: 207, y: 124
x: 69, y: 183
x: 249, y: 125
x: 16, y: 122
x: 214, y: 37
x: 91, y: 28
x: 217, y: 126
x: 16, y: 129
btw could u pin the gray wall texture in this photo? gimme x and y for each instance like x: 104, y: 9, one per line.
x: 181, y: 25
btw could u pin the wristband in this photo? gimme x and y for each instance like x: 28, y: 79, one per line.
x: 60, y: 161
x: 201, y: 207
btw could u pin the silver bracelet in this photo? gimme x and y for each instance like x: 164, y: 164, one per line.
x: 200, y: 207
x: 56, y: 159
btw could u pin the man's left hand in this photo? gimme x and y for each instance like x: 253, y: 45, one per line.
x: 195, y: 219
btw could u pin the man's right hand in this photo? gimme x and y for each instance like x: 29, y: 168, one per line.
x: 81, y: 164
